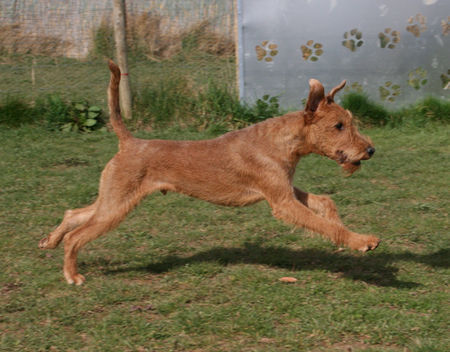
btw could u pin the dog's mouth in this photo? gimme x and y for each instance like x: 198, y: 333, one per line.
x: 349, y: 165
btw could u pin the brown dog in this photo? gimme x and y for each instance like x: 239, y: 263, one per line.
x: 236, y: 169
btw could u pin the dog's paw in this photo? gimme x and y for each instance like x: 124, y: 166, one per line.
x: 43, y: 243
x: 76, y: 279
x: 364, y: 243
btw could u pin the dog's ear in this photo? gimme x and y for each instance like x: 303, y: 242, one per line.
x: 330, y: 96
x: 316, y: 94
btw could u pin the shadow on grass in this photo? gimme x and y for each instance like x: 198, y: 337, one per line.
x: 374, y: 268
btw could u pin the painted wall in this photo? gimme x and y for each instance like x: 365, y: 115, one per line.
x: 394, y: 50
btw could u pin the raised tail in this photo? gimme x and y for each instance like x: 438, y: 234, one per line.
x: 114, y: 105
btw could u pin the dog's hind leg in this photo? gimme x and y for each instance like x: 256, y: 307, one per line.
x: 118, y: 195
x: 72, y: 219
x: 111, y: 210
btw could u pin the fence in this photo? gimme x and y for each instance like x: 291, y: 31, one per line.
x: 396, y: 51
x: 53, y: 46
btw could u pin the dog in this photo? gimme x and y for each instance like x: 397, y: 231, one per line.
x: 236, y: 169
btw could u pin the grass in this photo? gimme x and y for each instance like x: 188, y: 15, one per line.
x: 87, y: 80
x: 192, y: 89
x: 183, y: 275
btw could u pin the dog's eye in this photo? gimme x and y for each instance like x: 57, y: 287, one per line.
x: 339, y: 126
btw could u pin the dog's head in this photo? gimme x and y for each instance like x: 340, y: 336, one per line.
x: 332, y: 131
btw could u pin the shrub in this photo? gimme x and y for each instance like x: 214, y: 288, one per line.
x: 176, y: 102
x: 54, y: 111
x: 366, y: 111
x: 166, y: 102
x: 420, y: 113
x: 433, y: 109
x: 14, y: 112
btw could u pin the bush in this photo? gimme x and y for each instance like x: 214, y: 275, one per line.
x: 176, y: 102
x: 430, y: 109
x: 14, y: 113
x: 422, y: 112
x: 366, y: 111
x: 167, y: 102
x: 53, y: 112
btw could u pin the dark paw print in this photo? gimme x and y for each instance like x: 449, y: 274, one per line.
x: 266, y: 51
x: 354, y: 87
x: 353, y: 39
x: 389, y: 91
x: 311, y: 51
x: 389, y: 38
x: 445, y: 79
x: 445, y: 24
x: 417, y: 78
x: 417, y: 24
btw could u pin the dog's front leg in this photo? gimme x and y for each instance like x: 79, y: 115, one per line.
x: 322, y: 205
x: 286, y: 207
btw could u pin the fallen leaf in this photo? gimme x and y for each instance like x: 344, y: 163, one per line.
x: 288, y: 279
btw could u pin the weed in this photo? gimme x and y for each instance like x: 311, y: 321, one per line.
x: 166, y: 102
x: 83, y: 118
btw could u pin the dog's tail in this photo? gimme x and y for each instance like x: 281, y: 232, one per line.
x: 113, y: 104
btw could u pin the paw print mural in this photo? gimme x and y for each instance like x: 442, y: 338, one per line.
x: 417, y: 78
x: 353, y: 39
x: 445, y: 79
x: 445, y: 24
x: 389, y: 38
x: 311, y: 51
x: 354, y: 87
x: 417, y: 24
x: 266, y: 51
x: 389, y: 92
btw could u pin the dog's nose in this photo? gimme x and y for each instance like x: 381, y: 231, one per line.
x: 370, y: 151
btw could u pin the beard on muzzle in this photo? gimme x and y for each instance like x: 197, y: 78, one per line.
x: 350, y: 168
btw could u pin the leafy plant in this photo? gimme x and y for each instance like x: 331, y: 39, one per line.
x: 54, y: 111
x: 83, y: 118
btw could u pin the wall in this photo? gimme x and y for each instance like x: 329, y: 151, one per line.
x: 396, y: 51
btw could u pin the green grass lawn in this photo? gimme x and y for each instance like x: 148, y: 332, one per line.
x: 183, y: 275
